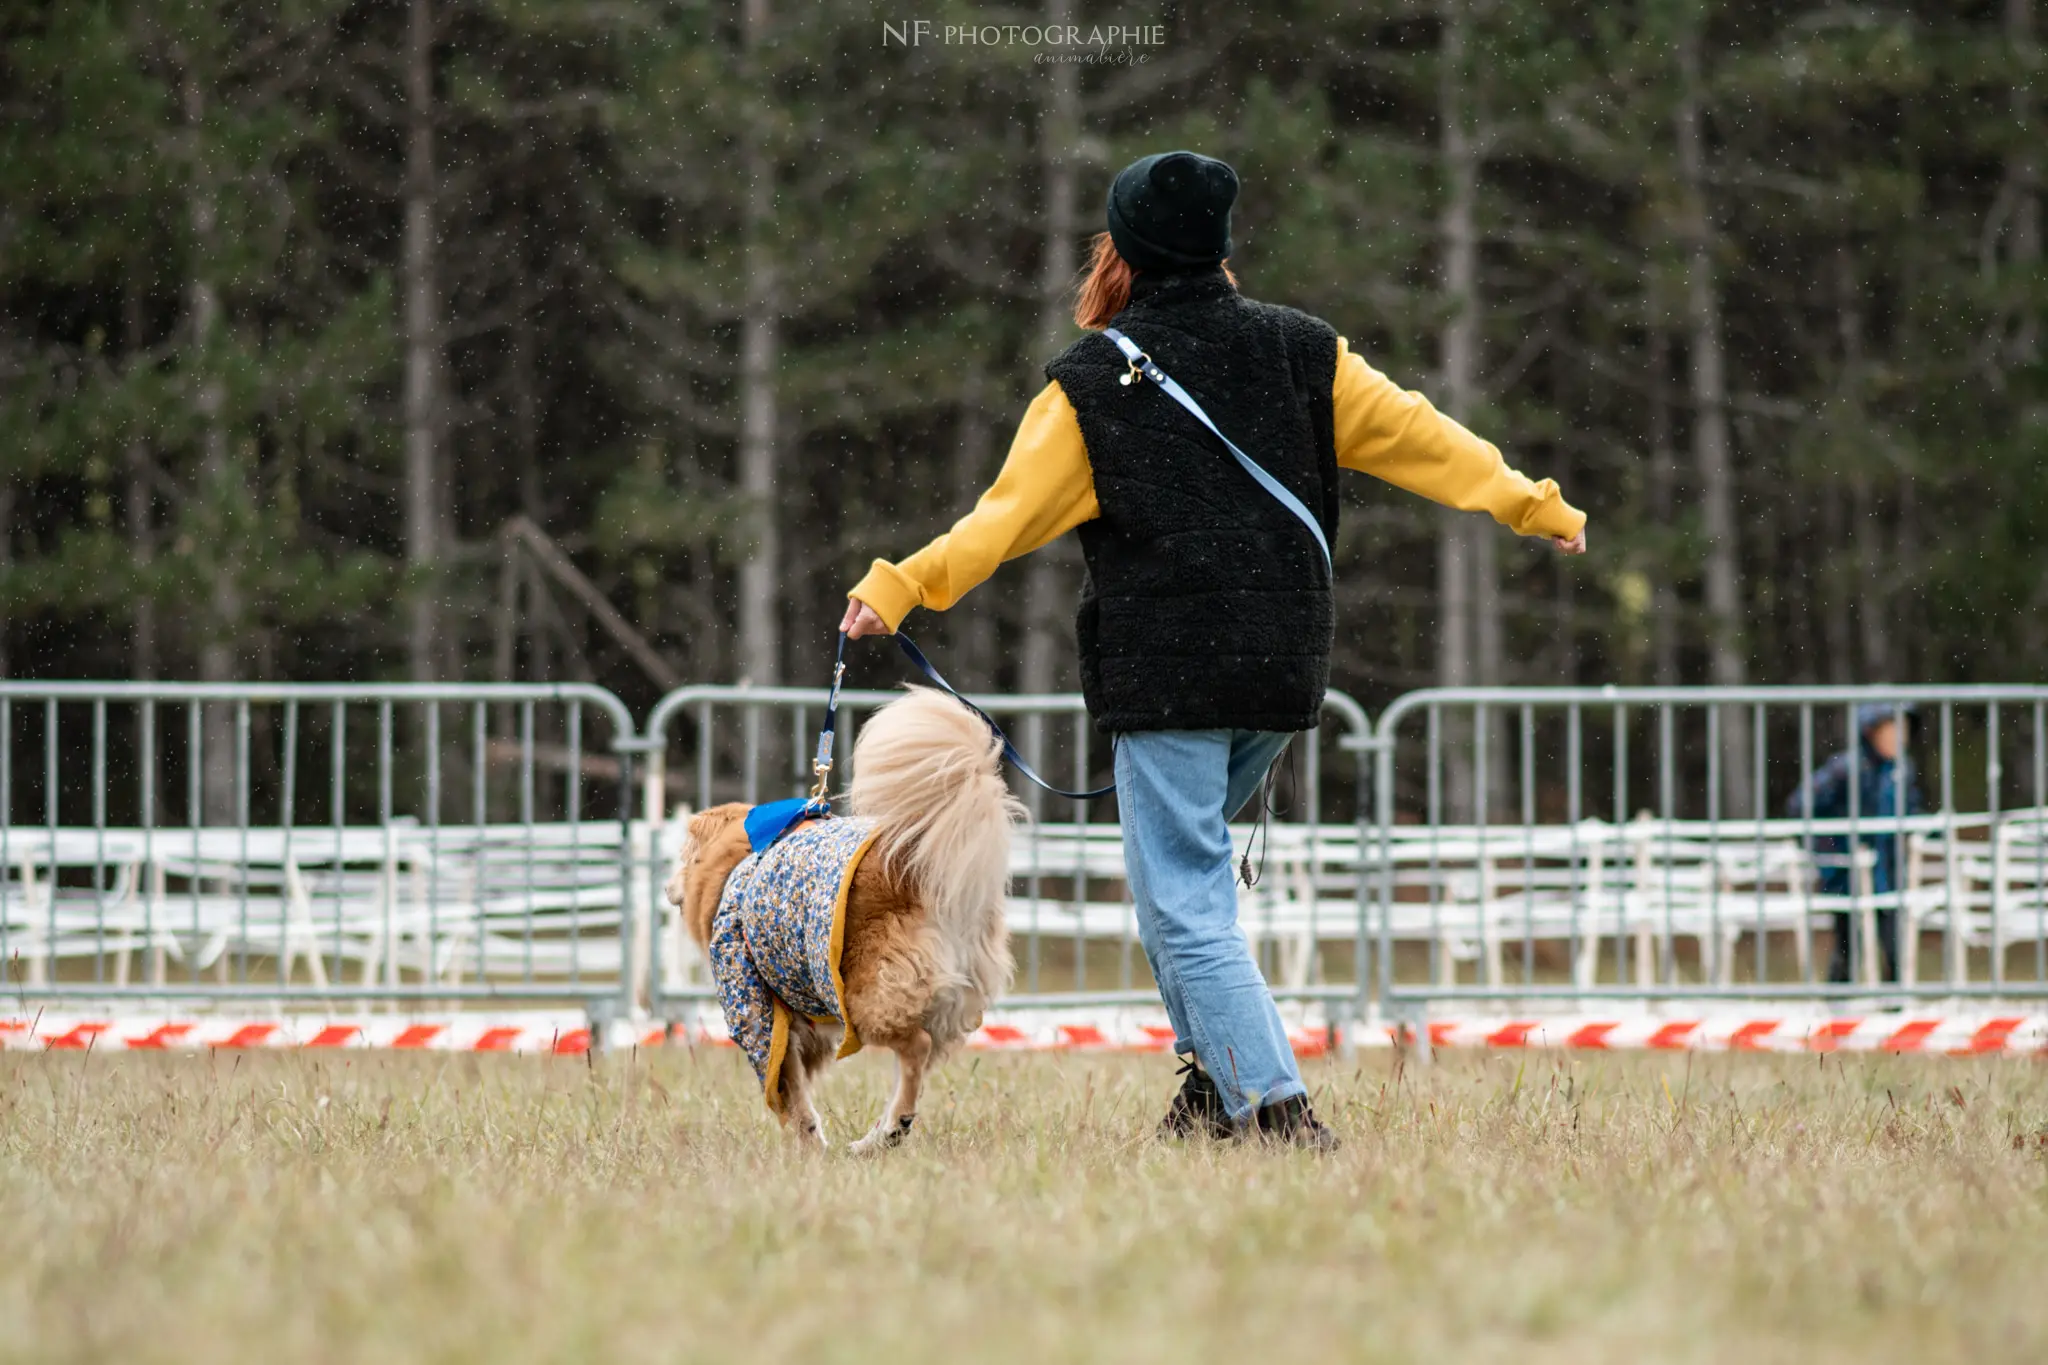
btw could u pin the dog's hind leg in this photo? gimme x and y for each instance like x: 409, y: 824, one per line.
x: 913, y: 1055
x: 810, y: 1051
x: 799, y: 1114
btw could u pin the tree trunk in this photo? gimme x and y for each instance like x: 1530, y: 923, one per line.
x: 974, y: 632
x: 1059, y: 132
x: 1838, y: 583
x: 526, y: 404
x: 1469, y: 644
x: 6, y: 559
x: 1663, y: 508
x: 1834, y: 583
x: 1906, y: 555
x: 1873, y: 607
x: 1454, y: 603
x: 2023, y: 271
x: 760, y: 642
x: 1567, y: 377
x: 221, y: 625
x: 136, y: 509
x: 1710, y: 438
x: 423, y: 478
x: 141, y: 550
x: 1045, y: 593
x: 1460, y: 344
x: 2023, y: 172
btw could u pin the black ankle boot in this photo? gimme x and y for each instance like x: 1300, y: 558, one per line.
x: 1197, y: 1111
x: 1291, y: 1123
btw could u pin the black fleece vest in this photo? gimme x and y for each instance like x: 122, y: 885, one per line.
x: 1206, y: 604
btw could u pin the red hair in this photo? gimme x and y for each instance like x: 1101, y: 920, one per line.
x: 1108, y: 286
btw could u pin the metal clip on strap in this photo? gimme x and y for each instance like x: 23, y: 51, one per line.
x: 821, y: 762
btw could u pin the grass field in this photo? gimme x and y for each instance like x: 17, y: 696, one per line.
x: 1499, y: 1208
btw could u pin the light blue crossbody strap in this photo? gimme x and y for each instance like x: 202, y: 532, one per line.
x: 1143, y: 364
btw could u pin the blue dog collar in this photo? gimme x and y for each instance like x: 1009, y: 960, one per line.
x: 772, y: 819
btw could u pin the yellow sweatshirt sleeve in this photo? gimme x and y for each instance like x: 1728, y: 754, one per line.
x: 1044, y: 490
x: 1396, y: 435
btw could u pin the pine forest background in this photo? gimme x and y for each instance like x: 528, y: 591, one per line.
x: 473, y: 339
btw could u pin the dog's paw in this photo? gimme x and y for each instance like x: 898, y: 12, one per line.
x: 881, y: 1139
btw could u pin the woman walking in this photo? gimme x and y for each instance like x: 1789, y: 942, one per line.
x: 1206, y: 620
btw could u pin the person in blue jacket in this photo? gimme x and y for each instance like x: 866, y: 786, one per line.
x: 1880, y: 774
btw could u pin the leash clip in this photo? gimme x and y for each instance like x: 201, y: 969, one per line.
x: 1138, y: 363
x: 821, y: 762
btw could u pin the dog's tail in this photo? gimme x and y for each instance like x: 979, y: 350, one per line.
x: 930, y: 771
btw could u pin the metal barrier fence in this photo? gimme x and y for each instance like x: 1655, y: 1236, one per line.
x: 444, y: 846
x: 1073, y: 928
x: 396, y: 843
x: 1559, y: 845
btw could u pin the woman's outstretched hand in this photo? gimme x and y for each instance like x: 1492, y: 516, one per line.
x: 1576, y: 545
x: 860, y: 619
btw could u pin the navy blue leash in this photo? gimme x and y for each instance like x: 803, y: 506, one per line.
x: 1142, y: 364
x: 924, y: 666
x: 769, y: 821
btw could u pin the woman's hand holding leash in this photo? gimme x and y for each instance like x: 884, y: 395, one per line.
x: 1575, y: 546
x: 861, y: 619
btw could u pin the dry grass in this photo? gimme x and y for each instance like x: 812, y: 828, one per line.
x: 272, y: 1208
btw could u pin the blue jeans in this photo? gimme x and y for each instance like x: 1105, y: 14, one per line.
x: 1174, y: 791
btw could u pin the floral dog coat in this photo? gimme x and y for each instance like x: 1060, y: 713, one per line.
x: 777, y: 936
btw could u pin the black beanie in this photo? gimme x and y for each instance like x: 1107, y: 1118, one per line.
x: 1171, y: 211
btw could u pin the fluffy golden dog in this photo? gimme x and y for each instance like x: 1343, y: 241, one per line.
x: 925, y: 949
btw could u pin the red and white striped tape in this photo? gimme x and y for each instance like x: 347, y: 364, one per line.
x: 1922, y: 1033
x: 455, y: 1033
x: 543, y: 1033
x: 548, y: 1033
x: 1061, y: 1031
